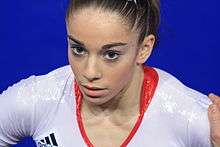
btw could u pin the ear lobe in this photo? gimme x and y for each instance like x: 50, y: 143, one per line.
x: 145, y: 49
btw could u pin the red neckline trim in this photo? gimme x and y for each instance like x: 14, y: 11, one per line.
x: 148, y: 88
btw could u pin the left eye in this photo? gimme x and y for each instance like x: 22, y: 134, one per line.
x: 111, y: 55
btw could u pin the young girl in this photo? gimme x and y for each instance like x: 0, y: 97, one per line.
x: 107, y: 97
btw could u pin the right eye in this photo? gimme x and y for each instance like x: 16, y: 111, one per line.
x: 77, y: 50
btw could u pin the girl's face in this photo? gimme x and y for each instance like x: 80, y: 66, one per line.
x: 102, y: 53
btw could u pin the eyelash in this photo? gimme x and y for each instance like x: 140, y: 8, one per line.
x: 74, y: 47
x: 115, y: 52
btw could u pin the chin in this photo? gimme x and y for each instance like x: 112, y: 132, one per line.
x: 97, y: 100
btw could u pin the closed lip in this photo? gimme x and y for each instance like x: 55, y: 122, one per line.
x: 94, y: 91
x: 93, y: 87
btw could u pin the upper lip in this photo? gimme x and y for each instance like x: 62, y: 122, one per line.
x: 93, y: 87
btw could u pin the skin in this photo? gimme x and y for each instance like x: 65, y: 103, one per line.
x: 214, y: 119
x: 116, y: 111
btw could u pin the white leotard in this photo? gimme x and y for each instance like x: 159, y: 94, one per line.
x: 44, y: 107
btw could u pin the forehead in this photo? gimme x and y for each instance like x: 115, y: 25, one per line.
x: 95, y: 25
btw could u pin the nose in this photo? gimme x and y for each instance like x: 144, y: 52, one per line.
x: 92, y: 71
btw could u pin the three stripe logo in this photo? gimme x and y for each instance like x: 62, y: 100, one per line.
x: 48, y: 141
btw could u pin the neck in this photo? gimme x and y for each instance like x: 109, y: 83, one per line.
x: 124, y: 106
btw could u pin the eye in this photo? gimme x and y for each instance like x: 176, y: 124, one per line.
x: 78, y: 50
x: 111, y: 55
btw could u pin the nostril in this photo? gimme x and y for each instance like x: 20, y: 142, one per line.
x: 92, y: 78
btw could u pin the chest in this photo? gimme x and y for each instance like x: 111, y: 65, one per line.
x: 107, y: 134
x: 154, y: 130
x: 68, y: 134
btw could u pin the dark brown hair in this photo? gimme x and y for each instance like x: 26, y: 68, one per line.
x: 143, y: 15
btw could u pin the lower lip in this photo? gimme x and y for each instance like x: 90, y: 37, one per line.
x: 94, y: 93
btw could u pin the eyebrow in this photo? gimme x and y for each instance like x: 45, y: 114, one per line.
x: 104, y: 47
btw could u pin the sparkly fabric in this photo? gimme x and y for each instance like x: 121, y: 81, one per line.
x: 42, y: 105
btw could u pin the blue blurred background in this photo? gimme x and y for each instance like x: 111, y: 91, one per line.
x: 33, y: 41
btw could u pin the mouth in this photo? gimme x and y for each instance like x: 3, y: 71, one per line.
x: 93, y: 87
x: 94, y: 92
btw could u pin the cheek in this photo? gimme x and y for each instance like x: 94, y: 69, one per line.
x: 120, y: 76
x: 124, y: 70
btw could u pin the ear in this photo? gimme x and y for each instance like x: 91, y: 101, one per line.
x: 145, y: 49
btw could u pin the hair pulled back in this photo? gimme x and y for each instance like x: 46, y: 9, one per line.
x: 142, y: 15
